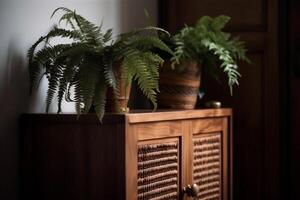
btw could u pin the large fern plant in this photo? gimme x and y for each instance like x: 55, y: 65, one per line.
x: 82, y: 70
x: 207, y: 44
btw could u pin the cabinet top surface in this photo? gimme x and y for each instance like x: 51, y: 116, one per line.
x: 162, y: 115
x: 135, y: 116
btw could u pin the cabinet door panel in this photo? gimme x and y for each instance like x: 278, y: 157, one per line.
x: 158, y: 153
x: 207, y: 166
x: 159, y: 169
x: 210, y: 167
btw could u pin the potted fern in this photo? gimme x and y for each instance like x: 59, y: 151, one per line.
x: 95, y: 65
x: 203, y: 46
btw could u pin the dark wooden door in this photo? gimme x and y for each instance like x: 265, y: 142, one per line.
x: 290, y: 32
x: 256, y: 101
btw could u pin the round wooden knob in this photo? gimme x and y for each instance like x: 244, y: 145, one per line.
x: 191, y: 190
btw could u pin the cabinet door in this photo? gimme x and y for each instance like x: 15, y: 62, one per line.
x: 160, y: 160
x: 210, y: 158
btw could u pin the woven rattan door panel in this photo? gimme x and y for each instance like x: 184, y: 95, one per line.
x: 207, y: 165
x: 211, y: 155
x: 158, y: 170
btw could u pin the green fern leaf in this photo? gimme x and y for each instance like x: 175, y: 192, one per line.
x: 110, y: 74
x: 219, y: 22
x: 204, y: 23
x: 99, y: 100
x: 88, y: 78
x: 138, y: 69
x: 68, y: 73
x: 61, y: 8
x: 78, y: 99
x: 107, y: 36
x: 53, y: 82
x: 148, y: 42
x: 58, y: 32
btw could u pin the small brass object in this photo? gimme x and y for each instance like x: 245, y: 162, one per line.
x: 213, y: 104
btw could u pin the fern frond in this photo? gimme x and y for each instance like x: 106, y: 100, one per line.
x: 63, y: 83
x: 134, y: 66
x: 129, y: 65
x: 75, y: 49
x: 88, y: 78
x: 99, y: 100
x: 31, y: 50
x: 204, y: 23
x: 38, y: 61
x: 110, y: 74
x: 59, y: 32
x: 218, y: 23
x: 228, y: 64
x: 107, y: 36
x: 78, y: 99
x: 68, y: 73
x: 67, y: 17
x: 67, y: 10
x: 34, y: 68
x: 54, y: 76
x: 146, y: 43
x: 153, y: 61
x: 90, y: 32
x: 153, y: 28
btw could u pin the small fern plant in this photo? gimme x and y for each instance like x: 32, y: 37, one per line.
x: 82, y: 70
x: 206, y: 43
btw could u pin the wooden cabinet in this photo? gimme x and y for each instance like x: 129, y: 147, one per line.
x: 154, y: 155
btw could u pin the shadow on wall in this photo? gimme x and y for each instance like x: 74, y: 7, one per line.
x: 14, y: 100
x: 132, y: 13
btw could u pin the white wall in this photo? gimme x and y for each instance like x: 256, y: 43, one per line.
x: 21, y: 23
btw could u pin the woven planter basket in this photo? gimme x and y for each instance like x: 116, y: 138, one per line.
x: 179, y: 89
x: 120, y: 104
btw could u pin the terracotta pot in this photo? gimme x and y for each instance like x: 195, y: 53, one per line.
x: 121, y: 103
x: 179, y: 89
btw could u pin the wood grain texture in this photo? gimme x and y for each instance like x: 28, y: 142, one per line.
x: 131, y: 160
x: 67, y: 159
x: 207, y: 125
x: 163, y: 115
x: 154, y: 130
x: 175, y: 13
x: 226, y: 181
x: 187, y: 156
